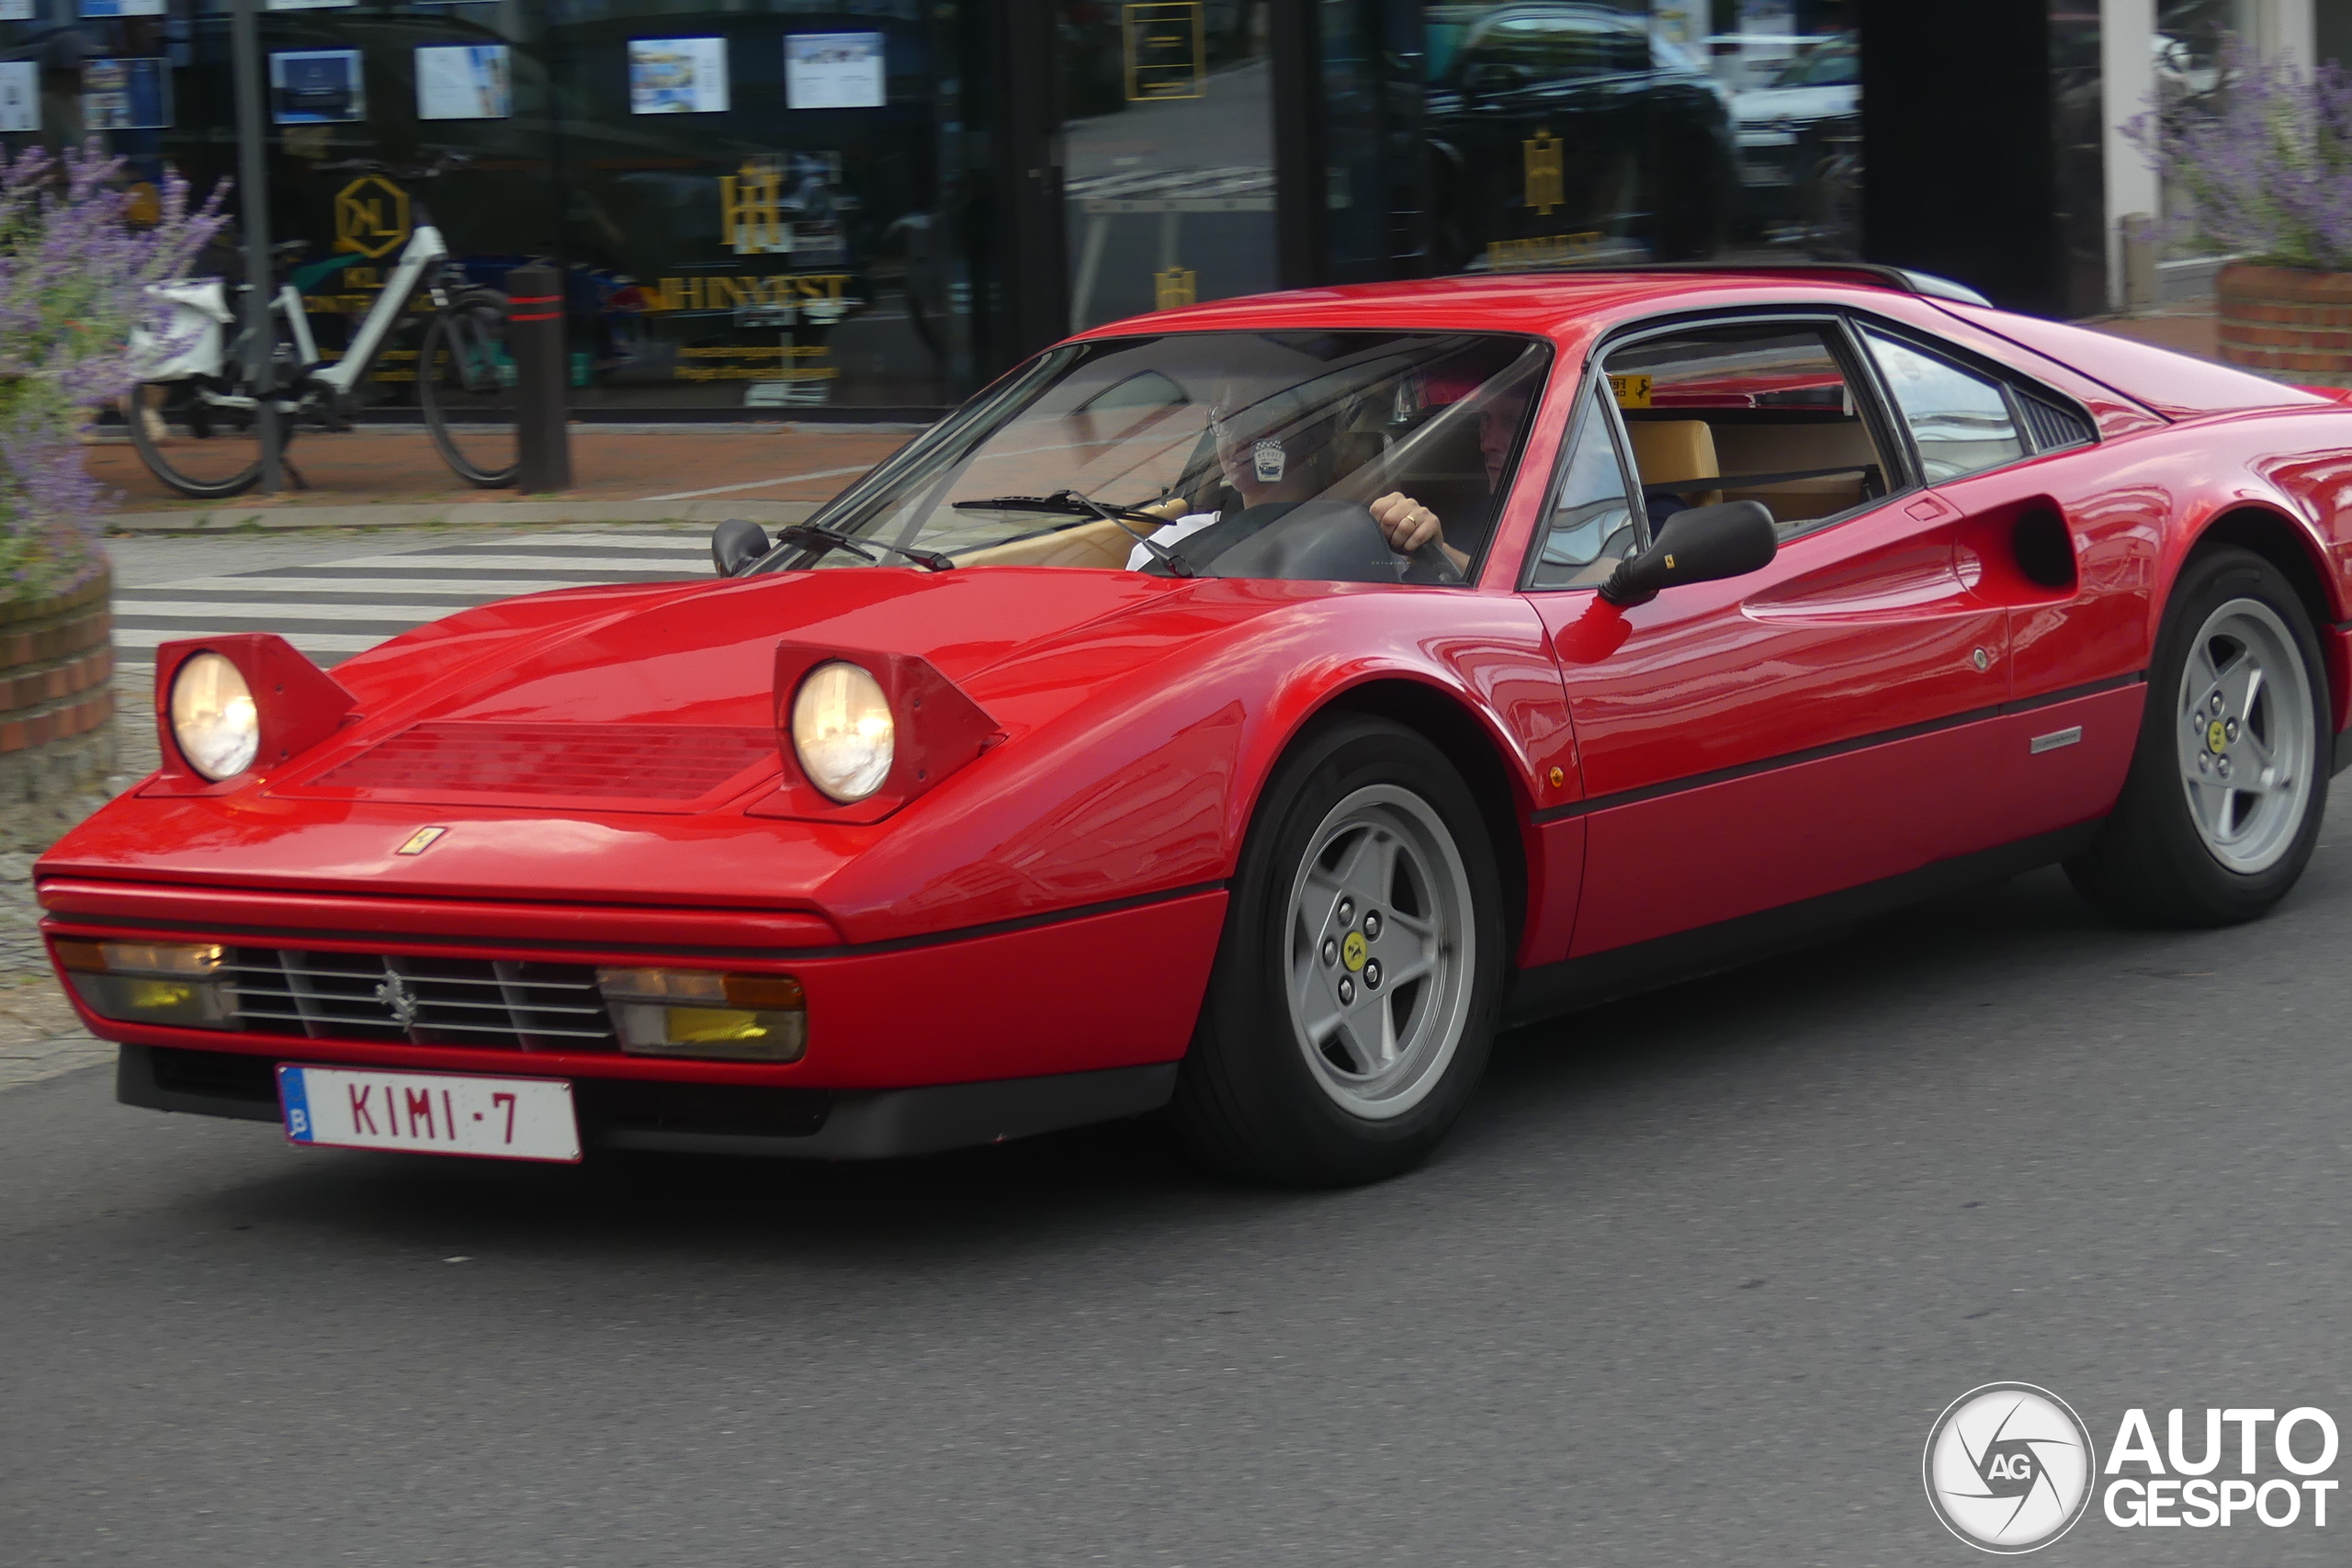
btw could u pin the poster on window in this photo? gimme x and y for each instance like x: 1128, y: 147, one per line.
x: 470, y: 81
x: 834, y: 71
x: 677, y: 75
x: 316, y: 86
x: 15, y: 10
x: 308, y: 5
x: 123, y: 7
x: 20, y: 95
x: 126, y: 94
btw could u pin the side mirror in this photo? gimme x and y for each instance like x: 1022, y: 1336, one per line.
x: 736, y: 543
x: 1705, y: 544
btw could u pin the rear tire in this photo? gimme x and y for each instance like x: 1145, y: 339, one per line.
x: 2229, y: 781
x: 1310, y: 1064
x: 465, y: 384
x: 209, y: 454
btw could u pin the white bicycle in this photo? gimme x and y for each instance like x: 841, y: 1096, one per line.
x: 195, y: 419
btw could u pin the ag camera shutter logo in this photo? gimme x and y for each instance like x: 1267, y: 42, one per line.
x: 2010, y: 1467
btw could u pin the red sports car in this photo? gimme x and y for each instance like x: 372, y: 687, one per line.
x: 1242, y: 713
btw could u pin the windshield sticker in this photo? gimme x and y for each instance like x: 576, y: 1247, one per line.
x: 1633, y: 391
x: 1271, y: 461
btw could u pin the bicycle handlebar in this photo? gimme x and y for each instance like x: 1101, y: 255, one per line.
x: 414, y: 172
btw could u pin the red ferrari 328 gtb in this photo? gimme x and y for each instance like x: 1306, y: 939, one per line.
x: 1243, y: 713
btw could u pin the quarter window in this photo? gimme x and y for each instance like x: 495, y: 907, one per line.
x: 1591, y: 526
x: 1960, y: 421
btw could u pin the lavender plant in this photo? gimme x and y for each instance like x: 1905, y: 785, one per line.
x: 73, y: 279
x: 2264, y: 166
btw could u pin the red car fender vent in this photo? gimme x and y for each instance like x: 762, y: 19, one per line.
x: 939, y: 730
x: 644, y: 766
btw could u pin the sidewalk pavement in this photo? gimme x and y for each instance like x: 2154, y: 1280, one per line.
x: 389, y: 476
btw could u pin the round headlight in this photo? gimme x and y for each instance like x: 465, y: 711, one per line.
x: 213, y: 718
x: 843, y: 731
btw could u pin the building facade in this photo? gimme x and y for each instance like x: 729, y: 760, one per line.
x: 867, y: 207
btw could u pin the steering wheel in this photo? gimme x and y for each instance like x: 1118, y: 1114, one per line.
x: 1329, y: 541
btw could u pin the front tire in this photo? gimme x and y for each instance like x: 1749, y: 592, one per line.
x: 1353, y: 1006
x: 2228, y: 783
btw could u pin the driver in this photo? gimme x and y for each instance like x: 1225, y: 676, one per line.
x: 1280, y: 452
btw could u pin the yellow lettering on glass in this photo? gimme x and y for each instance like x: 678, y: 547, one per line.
x: 1176, y: 286
x: 750, y: 205
x: 1166, y: 44
x: 1542, y: 151
x: 370, y: 216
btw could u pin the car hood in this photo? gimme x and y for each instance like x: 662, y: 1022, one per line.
x: 1053, y: 656
x: 1761, y: 104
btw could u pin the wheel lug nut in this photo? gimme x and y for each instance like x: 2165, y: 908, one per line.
x: 2204, y: 762
x: 2214, y: 703
x: 2230, y: 729
x: 1330, y: 953
x: 1347, y: 911
x: 1372, y: 974
x: 1347, y: 992
x: 2222, y: 766
x: 1371, y: 924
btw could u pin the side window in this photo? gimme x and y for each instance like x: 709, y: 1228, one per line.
x: 1591, y: 526
x: 1961, y: 421
x: 1754, y: 411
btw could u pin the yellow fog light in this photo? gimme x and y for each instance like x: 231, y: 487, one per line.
x: 705, y: 1012
x: 149, y: 982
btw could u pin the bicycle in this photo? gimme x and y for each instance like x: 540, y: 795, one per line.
x: 195, y: 419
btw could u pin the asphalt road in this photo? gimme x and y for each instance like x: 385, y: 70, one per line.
x: 1690, y: 1285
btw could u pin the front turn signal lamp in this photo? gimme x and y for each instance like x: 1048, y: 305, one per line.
x: 175, y: 983
x: 705, y: 1013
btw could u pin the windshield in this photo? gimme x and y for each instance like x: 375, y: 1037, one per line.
x: 1826, y: 66
x: 1360, y: 455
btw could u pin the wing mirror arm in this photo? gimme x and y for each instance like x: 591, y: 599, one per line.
x: 736, y: 543
x: 1704, y: 544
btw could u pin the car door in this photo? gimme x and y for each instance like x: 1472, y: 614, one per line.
x: 2047, y: 532
x: 1809, y: 727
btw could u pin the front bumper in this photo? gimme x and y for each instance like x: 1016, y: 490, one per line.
x: 965, y: 1037
x: 721, y: 1119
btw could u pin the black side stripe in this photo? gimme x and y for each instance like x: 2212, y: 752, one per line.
x: 1837, y: 749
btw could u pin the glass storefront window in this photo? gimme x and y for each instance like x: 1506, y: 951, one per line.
x: 1169, y: 136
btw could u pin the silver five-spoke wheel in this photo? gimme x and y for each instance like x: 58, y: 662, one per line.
x: 1381, y: 951
x: 2248, y: 755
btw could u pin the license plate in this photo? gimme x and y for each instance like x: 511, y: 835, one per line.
x: 436, y: 1113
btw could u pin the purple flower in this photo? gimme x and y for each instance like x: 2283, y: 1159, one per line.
x: 73, y: 279
x: 2263, y: 165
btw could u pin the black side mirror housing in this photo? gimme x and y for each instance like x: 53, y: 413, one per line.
x: 1704, y: 544
x: 736, y: 543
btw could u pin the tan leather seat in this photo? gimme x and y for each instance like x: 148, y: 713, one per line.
x: 1675, y: 451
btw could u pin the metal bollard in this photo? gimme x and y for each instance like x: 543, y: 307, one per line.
x: 535, y: 337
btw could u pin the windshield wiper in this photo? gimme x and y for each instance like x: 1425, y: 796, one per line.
x: 834, y: 539
x: 1076, y: 505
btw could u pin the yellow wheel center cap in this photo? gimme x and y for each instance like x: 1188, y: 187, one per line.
x: 2217, y: 737
x: 1351, y: 952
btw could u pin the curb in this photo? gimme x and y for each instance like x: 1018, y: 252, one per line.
x: 249, y: 517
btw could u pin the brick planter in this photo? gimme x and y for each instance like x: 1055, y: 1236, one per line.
x: 2288, y: 324
x: 56, y: 745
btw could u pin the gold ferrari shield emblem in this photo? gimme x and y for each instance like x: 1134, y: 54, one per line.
x: 1352, y: 950
x: 420, y: 841
x: 2217, y: 738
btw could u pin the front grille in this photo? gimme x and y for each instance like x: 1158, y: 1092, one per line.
x: 678, y: 764
x: 500, y: 1003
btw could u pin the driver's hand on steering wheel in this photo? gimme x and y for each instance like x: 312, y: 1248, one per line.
x: 1408, y: 526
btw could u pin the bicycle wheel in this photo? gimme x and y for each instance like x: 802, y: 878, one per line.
x: 198, y: 448
x: 465, y: 384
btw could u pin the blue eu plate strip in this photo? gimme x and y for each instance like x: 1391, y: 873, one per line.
x: 294, y: 1094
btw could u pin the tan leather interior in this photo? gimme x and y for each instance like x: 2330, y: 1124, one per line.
x: 1097, y: 544
x: 1672, y: 451
x: 1776, y: 448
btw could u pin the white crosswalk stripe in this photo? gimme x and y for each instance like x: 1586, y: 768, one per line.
x: 333, y: 609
